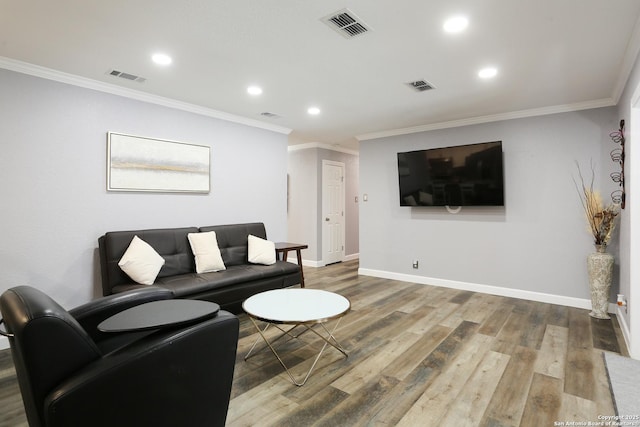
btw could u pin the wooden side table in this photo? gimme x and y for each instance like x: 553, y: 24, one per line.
x: 282, y: 252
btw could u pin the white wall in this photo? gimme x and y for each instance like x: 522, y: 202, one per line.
x: 53, y: 187
x: 302, y: 212
x: 629, y: 249
x: 534, y: 247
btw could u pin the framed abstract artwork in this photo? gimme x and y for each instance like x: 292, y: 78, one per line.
x: 137, y: 163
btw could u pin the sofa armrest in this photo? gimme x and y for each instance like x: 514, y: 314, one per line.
x: 89, y: 315
x: 142, y: 384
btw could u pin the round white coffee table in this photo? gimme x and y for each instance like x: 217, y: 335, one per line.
x: 297, y: 307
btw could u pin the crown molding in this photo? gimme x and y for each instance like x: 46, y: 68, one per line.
x: 598, y: 103
x: 310, y: 145
x: 632, y: 51
x: 74, y: 80
x: 630, y: 57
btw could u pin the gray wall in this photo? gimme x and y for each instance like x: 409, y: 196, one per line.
x: 305, y: 199
x: 538, y: 242
x: 53, y: 164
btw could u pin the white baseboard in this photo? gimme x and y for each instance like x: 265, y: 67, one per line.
x: 321, y: 263
x: 486, y: 289
x: 351, y: 257
x: 626, y: 333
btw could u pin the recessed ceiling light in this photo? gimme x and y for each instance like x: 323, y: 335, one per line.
x: 314, y: 111
x: 161, y: 59
x: 487, y: 73
x: 254, y: 90
x: 455, y: 24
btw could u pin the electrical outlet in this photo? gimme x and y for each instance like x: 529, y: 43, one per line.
x: 622, y: 302
x: 415, y: 264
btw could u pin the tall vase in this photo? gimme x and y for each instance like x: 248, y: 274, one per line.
x: 600, y: 269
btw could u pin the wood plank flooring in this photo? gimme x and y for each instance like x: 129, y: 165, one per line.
x: 11, y: 408
x: 426, y: 356
x: 418, y: 356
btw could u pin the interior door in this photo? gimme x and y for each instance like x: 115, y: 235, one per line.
x: 333, y: 231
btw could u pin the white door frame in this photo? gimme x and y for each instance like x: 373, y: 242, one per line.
x: 325, y: 208
x: 633, y: 204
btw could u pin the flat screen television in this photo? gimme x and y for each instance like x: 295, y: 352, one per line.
x: 465, y: 175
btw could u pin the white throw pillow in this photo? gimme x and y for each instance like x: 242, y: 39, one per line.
x: 206, y: 252
x: 141, y: 262
x: 261, y: 251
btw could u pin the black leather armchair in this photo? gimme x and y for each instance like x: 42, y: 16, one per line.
x: 70, y: 374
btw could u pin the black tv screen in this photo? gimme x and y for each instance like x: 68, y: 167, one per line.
x: 465, y: 175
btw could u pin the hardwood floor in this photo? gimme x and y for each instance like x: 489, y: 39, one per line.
x: 426, y: 356
x: 419, y: 356
x: 12, y: 412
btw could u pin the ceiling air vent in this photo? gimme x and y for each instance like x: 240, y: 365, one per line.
x: 421, y: 85
x: 346, y: 23
x: 126, y: 76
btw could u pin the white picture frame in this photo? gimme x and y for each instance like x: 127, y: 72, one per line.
x: 138, y: 163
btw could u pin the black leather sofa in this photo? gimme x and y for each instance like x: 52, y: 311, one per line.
x: 228, y: 288
x: 71, y: 374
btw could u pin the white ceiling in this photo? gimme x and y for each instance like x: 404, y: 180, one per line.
x: 552, y: 55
